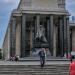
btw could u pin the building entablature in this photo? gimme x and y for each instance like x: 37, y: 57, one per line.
x: 20, y: 12
x: 72, y: 24
x: 16, y: 12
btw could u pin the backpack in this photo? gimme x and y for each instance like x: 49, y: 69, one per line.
x: 41, y: 54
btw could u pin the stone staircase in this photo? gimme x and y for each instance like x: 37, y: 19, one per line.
x: 33, y: 68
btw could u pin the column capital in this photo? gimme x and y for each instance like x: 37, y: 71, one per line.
x: 67, y: 18
x: 13, y: 19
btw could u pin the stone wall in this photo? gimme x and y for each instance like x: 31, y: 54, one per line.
x: 49, y: 5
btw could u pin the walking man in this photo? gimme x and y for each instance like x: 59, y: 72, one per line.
x: 42, y: 55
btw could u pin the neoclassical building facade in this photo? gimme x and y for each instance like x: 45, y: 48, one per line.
x: 39, y: 23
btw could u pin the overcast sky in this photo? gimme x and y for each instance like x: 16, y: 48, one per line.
x: 6, y: 6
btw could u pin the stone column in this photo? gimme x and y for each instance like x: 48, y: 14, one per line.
x: 23, y: 35
x: 18, y: 37
x: 31, y: 37
x: 10, y: 39
x: 73, y: 38
x: 50, y: 31
x: 48, y: 26
x: 37, y: 24
x: 65, y: 34
x: 38, y: 20
x: 34, y: 23
x: 35, y: 29
x: 54, y: 40
x: 8, y: 54
x: 13, y: 37
x: 68, y: 35
x: 61, y: 36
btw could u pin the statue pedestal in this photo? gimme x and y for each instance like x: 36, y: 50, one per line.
x: 40, y: 45
x: 37, y: 48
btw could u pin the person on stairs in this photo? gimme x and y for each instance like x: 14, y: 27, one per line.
x: 42, y: 55
x: 72, y: 68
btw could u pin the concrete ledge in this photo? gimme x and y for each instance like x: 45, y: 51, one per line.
x: 34, y: 63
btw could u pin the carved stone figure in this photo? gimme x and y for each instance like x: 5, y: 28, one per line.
x: 41, y: 33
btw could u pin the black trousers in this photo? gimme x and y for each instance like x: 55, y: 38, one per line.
x: 72, y: 57
x: 42, y: 60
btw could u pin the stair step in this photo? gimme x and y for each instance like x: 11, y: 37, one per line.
x: 27, y: 68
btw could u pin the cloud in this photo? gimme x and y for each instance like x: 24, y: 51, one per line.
x: 70, y: 5
x: 9, y: 1
x: 70, y: 2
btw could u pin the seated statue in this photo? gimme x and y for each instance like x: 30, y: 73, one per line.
x: 40, y: 34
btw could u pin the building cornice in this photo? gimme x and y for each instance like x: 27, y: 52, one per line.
x: 39, y: 11
x: 72, y: 24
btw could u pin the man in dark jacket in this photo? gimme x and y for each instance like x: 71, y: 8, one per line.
x: 42, y: 55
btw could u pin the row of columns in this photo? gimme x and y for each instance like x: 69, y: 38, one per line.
x: 63, y: 30
x: 50, y: 30
x: 64, y: 35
